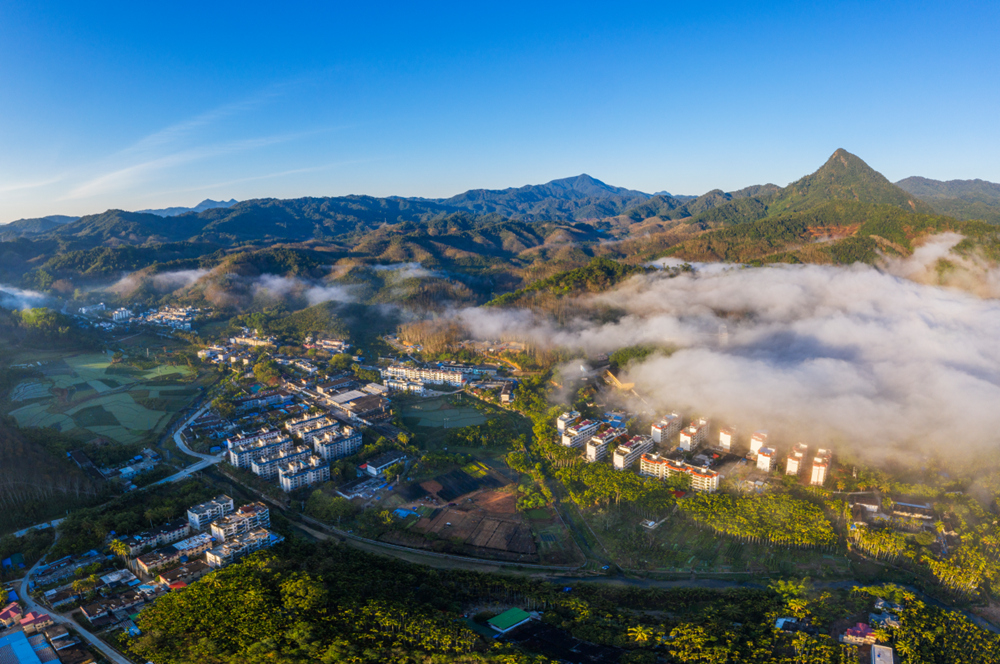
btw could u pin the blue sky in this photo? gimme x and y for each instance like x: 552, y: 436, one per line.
x: 154, y: 104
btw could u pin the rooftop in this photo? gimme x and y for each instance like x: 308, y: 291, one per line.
x: 508, y: 619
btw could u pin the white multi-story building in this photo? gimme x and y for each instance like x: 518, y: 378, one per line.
x: 121, y: 314
x: 425, y: 375
x: 338, y: 444
x: 694, y: 435
x: 194, y: 545
x: 303, y: 472
x: 597, y: 446
x: 296, y: 424
x: 243, y: 520
x: 201, y: 515
x: 239, y: 546
x: 666, y: 428
x: 308, y: 433
x: 795, y: 459
x: 765, y: 459
x: 702, y: 479
x: 407, y: 386
x: 820, y: 467
x: 566, y: 420
x: 266, y: 467
x: 757, y: 441
x: 244, y: 455
x: 726, y: 437
x: 579, y: 433
x: 627, y: 452
x: 247, y: 438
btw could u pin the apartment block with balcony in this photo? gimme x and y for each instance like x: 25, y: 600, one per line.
x: 303, y: 472
x: 820, y: 467
x: 702, y: 479
x: 694, y: 434
x: 201, y: 515
x: 266, y: 467
x: 757, y: 441
x: 233, y: 549
x: 337, y: 444
x: 566, y: 420
x: 795, y: 459
x: 668, y: 427
x: 726, y: 437
x: 629, y: 451
x: 244, y: 455
x: 246, y: 518
x: 579, y: 433
x: 598, y: 445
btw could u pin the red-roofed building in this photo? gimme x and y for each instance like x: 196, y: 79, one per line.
x: 33, y: 622
x: 11, y: 614
x: 178, y: 585
x: 860, y: 634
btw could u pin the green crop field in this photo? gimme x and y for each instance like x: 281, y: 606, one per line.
x: 85, y: 395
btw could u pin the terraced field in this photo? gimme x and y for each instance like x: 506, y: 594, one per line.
x: 86, y: 394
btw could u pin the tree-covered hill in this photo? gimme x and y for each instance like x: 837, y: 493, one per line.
x: 844, y: 177
x: 580, y: 197
x: 597, y: 276
x: 837, y: 232
x: 962, y: 199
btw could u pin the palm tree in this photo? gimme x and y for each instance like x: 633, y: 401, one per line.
x: 639, y: 633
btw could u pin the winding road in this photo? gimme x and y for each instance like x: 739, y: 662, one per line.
x: 58, y: 618
x: 206, y: 460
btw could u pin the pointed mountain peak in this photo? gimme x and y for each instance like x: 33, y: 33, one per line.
x: 844, y: 177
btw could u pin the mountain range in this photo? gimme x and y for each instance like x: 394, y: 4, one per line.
x: 206, y: 204
x: 505, y: 239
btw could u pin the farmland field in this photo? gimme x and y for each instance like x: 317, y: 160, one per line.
x: 85, y: 395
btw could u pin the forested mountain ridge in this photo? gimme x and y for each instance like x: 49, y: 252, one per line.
x: 576, y: 198
x: 963, y: 199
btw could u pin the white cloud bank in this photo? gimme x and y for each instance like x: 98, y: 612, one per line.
x: 826, y: 354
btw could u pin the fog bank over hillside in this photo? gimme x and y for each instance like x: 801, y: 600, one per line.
x: 826, y: 354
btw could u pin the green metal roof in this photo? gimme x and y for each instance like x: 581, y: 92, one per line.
x: 508, y: 619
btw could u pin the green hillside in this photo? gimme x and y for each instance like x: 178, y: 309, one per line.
x: 837, y: 232
x: 844, y: 177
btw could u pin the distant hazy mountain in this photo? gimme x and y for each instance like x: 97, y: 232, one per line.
x: 206, y: 204
x: 576, y: 198
x: 23, y: 227
x: 968, y: 189
x: 963, y: 199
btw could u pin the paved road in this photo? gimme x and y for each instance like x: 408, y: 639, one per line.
x: 206, y: 460
x: 38, y: 526
x: 59, y: 618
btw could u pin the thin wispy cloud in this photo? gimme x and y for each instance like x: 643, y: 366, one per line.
x: 133, y: 174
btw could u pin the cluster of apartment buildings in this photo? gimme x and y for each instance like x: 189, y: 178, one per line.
x: 298, y: 457
x: 213, y: 529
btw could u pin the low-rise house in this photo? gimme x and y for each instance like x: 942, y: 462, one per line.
x: 246, y: 518
x: 58, y: 637
x: 375, y: 467
x: 93, y: 611
x: 76, y: 655
x: 203, y: 514
x: 57, y: 597
x: 367, y: 408
x: 194, y: 545
x: 859, y: 635
x: 155, y: 560
x: 186, y: 573
x: 11, y: 614
x: 883, y: 655
x: 35, y: 622
x: 508, y: 620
